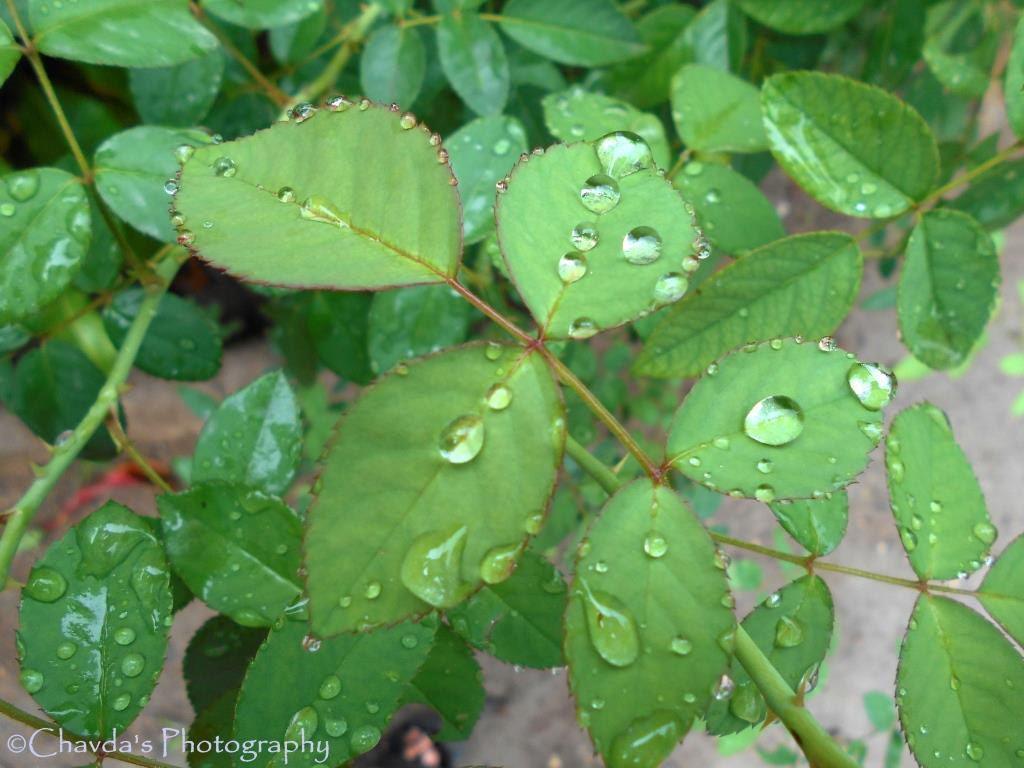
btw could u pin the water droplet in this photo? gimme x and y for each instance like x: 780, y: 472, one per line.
x: 177, y: 221
x: 330, y: 687
x: 670, y: 287
x: 498, y: 563
x: 66, y: 650
x: 365, y: 738
x: 747, y: 704
x: 407, y: 121
x: 611, y: 626
x: 183, y: 152
x: 827, y: 344
x: 409, y: 641
x: 775, y: 420
x: 872, y: 430
x: 584, y: 236
x: 534, y: 523
x: 600, y: 193
x: 335, y: 726
x: 764, y: 466
x: 985, y: 532
x: 597, y: 704
x: 724, y: 688
x: 124, y: 636
x: 909, y: 539
x: 492, y: 351
x: 498, y: 397
x: 170, y: 187
x: 121, y: 702
x: 647, y: 741
x: 345, y: 601
x: 501, y: 146
x: 872, y: 384
x: 302, y: 112
x: 623, y: 153
x: 286, y: 195
x: 641, y: 245
x: 789, y: 633
x: 690, y: 264
x: 765, y: 493
x: 338, y: 103
x: 974, y: 751
x: 582, y: 328
x: 571, y: 267
x: 302, y: 725
x: 681, y: 646
x: 224, y: 166
x: 655, y: 544
x: 133, y: 664
x: 46, y: 585
x: 712, y: 369
x: 31, y: 680
x: 773, y: 600
x: 316, y: 208
x: 462, y: 439
x: 432, y: 567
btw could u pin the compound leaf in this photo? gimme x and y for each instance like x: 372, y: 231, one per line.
x: 795, y: 17
x: 393, y: 64
x: 647, y: 626
x: 936, y: 500
x: 449, y: 682
x: 216, y: 660
x: 947, y: 290
x: 473, y: 59
x: 180, y: 95
x: 715, y: 111
x: 94, y: 619
x: 853, y: 147
x: 960, y: 688
x: 1002, y: 592
x: 763, y: 420
x: 478, y: 434
x: 802, y: 285
x: 414, y: 321
x: 818, y: 525
x: 262, y: 14
x: 376, y: 209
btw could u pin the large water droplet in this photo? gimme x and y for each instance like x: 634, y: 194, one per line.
x: 641, y: 245
x: 31, y: 680
x: 499, y: 563
x: 789, y: 633
x: 775, y: 420
x: 121, y: 702
x: 655, y: 545
x: 584, y: 236
x: 335, y: 726
x: 872, y: 384
x: 670, y: 287
x: 747, y: 704
x: 364, y: 739
x: 571, y: 267
x: 647, y: 741
x: 66, y: 650
x: 46, y: 585
x: 582, y: 328
x: 317, y: 208
x: 462, y: 439
x: 133, y: 664
x: 330, y: 687
x: 623, y: 153
x: 974, y: 751
x: 600, y: 193
x: 498, y: 397
x: 23, y: 186
x: 302, y: 725
x: 407, y: 121
x: 611, y: 625
x: 985, y: 532
x: 432, y: 568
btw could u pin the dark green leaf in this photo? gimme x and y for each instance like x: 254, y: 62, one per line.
x: 796, y: 17
x: 236, y: 549
x: 996, y: 197
x: 716, y: 112
x: 936, y: 500
x: 644, y: 81
x: 392, y: 65
x: 338, y: 324
x: 216, y: 720
x: 803, y: 285
x: 414, y: 321
x: 449, y: 682
x: 9, y: 52
x: 1013, y: 89
x: 1002, y: 592
x: 293, y: 43
x: 254, y: 438
x: 262, y: 14
x: 473, y: 58
x: 216, y: 660
x: 180, y: 95
x: 718, y: 36
x: 960, y: 47
x: 103, y: 261
x: 94, y: 619
x: 818, y: 525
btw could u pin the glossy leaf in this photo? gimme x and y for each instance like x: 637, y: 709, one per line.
x: 44, y: 237
x: 450, y: 683
x: 180, y: 95
x: 586, y: 33
x: 253, y: 438
x: 338, y: 324
x: 236, y: 549
x: 1013, y: 89
x: 960, y: 47
x: 789, y: 390
x: 718, y: 36
x: 216, y: 660
x: 119, y: 33
x: 996, y: 197
x: 936, y: 500
x: 604, y: 288
x: 802, y: 285
x: 716, y: 112
x: 947, y: 288
x: 478, y: 433
x: 392, y: 65
x: 368, y: 166
x: 852, y: 147
x: 473, y: 58
x: 1002, y: 592
x: 576, y: 114
x: 344, y: 693
x: 9, y: 52
x: 960, y: 687
x: 262, y: 14
x: 798, y: 18
x: 732, y: 212
x: 793, y: 628
x: 482, y: 152
x: 818, y: 525
x: 519, y: 620
x: 642, y: 667
x: 94, y: 617
x: 413, y: 321
x: 644, y: 81
x: 182, y: 342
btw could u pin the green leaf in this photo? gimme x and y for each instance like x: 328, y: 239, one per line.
x: 1013, y: 89
x: 793, y: 628
x: 294, y: 43
x: 648, y: 627
x: 853, y: 147
x: 94, y: 619
x: 961, y: 46
x: 796, y: 17
x: 262, y: 14
x: 338, y: 323
x: 519, y: 620
x: 764, y: 420
x: 585, y: 33
x: 482, y: 152
x: 818, y: 525
x: 473, y: 58
x: 936, y: 500
x: 718, y: 36
x: 367, y: 166
x: 644, y: 81
x: 45, y: 235
x: 576, y: 293
x: 392, y: 65
x: 180, y: 95
x: 478, y: 433
x: 996, y: 197
x: 254, y: 437
x: 716, y: 112
x: 1002, y: 592
x: 733, y: 213
x: 216, y: 720
x: 345, y: 692
x: 119, y: 33
x: 947, y: 288
x: 802, y: 285
x: 54, y: 387
x: 449, y: 682
x: 880, y: 709
x: 216, y: 660
x: 414, y: 321
x: 960, y: 688
x: 182, y: 342
x: 236, y: 549
x: 9, y: 52
x: 576, y: 114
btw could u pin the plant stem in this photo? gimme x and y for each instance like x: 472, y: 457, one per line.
x: 967, y: 176
x: 351, y: 36
x: 814, y: 741
x: 126, y: 444
x: 54, y: 730
x: 419, y: 21
x: 593, y: 466
x: 21, y: 514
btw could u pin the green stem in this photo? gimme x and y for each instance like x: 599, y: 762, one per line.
x: 125, y: 444
x: 963, y: 178
x: 593, y: 466
x: 814, y: 741
x: 351, y: 37
x: 21, y: 514
x: 54, y: 730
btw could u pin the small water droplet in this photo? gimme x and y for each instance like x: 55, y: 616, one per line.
x: 170, y: 187
x: 302, y: 112
x: 499, y: 563
x: 498, y: 397
x: 582, y: 328
x: 611, y: 626
x: 681, y: 646
x: 724, y: 688
x: 623, y: 153
x: 373, y: 590
x: 24, y: 185
x: 224, y: 166
x: 186, y: 237
x: 764, y: 466
x: 765, y: 493
x: 330, y: 687
x: 872, y: 384
x: 974, y: 751
x: 407, y: 121
x: 600, y: 193
x: 133, y: 664
x: 66, y: 650
x: 121, y: 702
x: 775, y: 420
x: 670, y: 287
x: 302, y: 725
x: 655, y: 544
x: 338, y: 103
x: 335, y: 726
x: 286, y: 195
x: 31, y: 680
x: 462, y: 439
x: 317, y: 208
x: 584, y: 236
x: 985, y: 532
x: 571, y: 267
x: 909, y: 539
x: 827, y: 344
x: 432, y: 567
x: 789, y: 633
x: 124, y: 636
x: 364, y: 739
x: 641, y: 245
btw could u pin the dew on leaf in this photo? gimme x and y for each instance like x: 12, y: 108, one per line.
x: 584, y: 236
x: 300, y: 113
x: 572, y: 267
x: 582, y: 328
x: 335, y: 726
x: 338, y: 103
x: 124, y: 636
x: 764, y: 493
x: 600, y: 193
x: 224, y: 166
x: 641, y: 245
x: 623, y: 153
x: 681, y: 646
x: 775, y: 420
x: 24, y: 185
x: 670, y: 288
x: 984, y: 532
x: 498, y: 563
x: 46, y: 585
x: 872, y: 384
x: 432, y: 567
x: 317, y: 208
x: 655, y: 545
x: 66, y: 650
x: 746, y: 704
x: 330, y: 687
x: 498, y: 397
x: 462, y: 439
x: 31, y: 680
x: 302, y: 725
x: 407, y: 121
x: 909, y: 539
x: 647, y: 740
x: 373, y: 590
x: 789, y: 633
x: 364, y: 739
x: 170, y: 187
x: 724, y: 688
x: 611, y: 626
x: 133, y: 664
x: 286, y: 195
